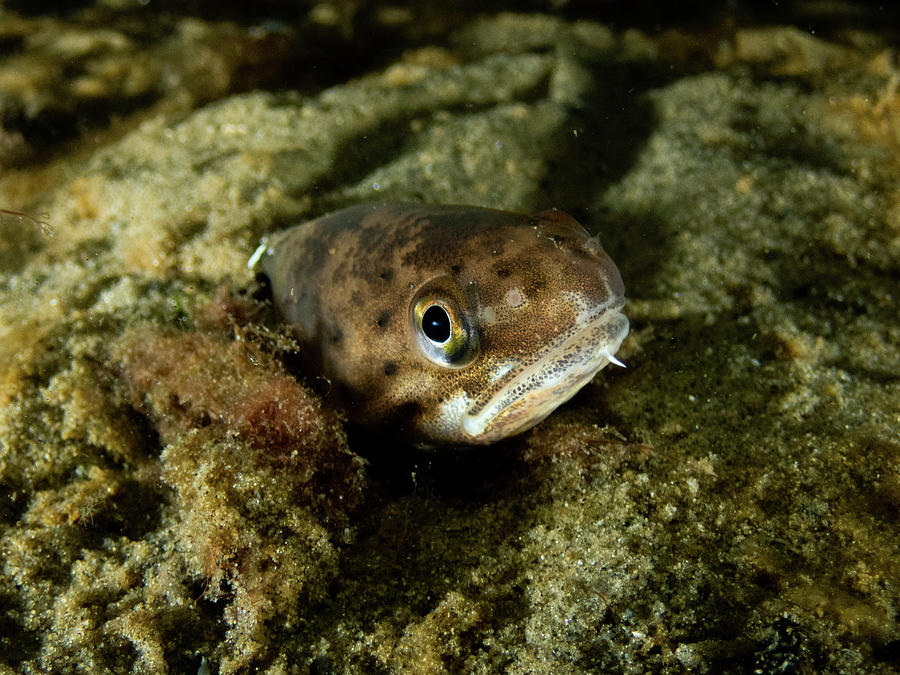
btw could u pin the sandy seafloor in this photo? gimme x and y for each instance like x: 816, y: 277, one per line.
x: 172, y: 500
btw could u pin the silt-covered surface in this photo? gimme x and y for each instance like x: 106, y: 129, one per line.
x: 172, y: 495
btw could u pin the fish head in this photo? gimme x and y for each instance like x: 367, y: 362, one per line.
x: 512, y: 331
x: 447, y: 325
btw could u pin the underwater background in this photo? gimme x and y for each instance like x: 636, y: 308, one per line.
x: 173, y: 499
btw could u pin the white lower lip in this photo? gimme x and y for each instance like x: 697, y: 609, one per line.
x: 532, y: 391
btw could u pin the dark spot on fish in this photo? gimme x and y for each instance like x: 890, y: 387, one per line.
x: 387, y: 275
x: 502, y: 273
x: 390, y: 368
x: 456, y: 269
x: 337, y: 336
x: 383, y: 318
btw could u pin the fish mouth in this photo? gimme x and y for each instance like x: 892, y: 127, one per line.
x: 533, y: 389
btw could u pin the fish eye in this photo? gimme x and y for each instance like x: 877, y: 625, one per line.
x: 440, y: 324
x: 436, y: 324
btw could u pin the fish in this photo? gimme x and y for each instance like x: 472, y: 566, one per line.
x: 446, y: 325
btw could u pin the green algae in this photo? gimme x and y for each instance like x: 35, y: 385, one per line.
x: 727, y: 502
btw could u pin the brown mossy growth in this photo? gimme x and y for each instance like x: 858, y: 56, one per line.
x: 225, y: 311
x: 20, y: 235
x: 92, y: 413
x: 238, y: 317
x: 788, y: 51
x: 566, y: 437
x: 245, y: 527
x: 76, y: 503
x: 264, y: 478
x: 437, y: 644
x: 190, y: 380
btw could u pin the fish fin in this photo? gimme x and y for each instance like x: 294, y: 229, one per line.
x: 258, y: 253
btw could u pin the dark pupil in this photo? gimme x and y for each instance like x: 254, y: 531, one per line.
x: 436, y: 324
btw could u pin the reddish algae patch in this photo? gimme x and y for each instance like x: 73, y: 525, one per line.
x: 262, y: 472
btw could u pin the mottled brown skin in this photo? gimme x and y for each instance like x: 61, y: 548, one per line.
x: 346, y: 283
